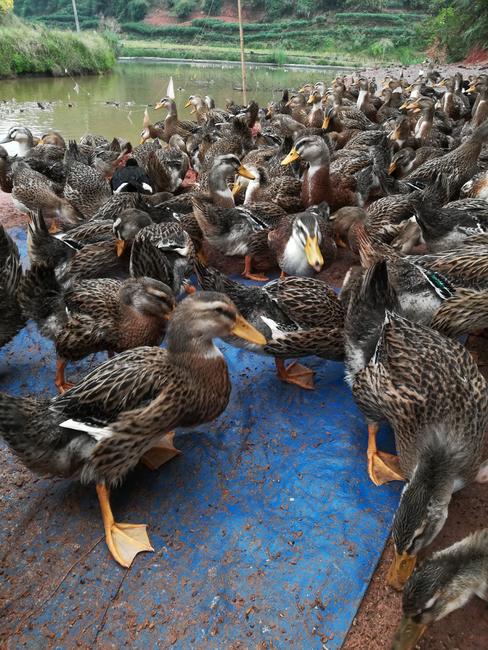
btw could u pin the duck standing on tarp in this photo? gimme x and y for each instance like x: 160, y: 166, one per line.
x: 131, y: 178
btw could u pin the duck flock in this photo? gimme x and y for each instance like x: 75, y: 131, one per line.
x: 117, y: 234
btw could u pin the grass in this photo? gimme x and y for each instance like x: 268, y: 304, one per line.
x: 29, y: 50
x: 280, y: 56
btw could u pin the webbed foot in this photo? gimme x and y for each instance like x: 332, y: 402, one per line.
x: 296, y: 374
x: 124, y: 541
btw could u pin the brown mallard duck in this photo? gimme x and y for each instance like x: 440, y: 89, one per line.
x: 94, y: 315
x: 99, y: 430
x: 173, y: 125
x: 318, y: 184
x: 6, y: 179
x: 32, y: 191
x: 10, y: 276
x: 456, y: 167
x: 442, y: 584
x: 297, y: 316
x: 438, y: 410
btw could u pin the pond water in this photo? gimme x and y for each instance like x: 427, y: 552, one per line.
x: 132, y: 86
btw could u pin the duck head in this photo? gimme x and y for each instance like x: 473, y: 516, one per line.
x: 307, y: 235
x: 148, y: 296
x: 311, y: 148
x: 22, y: 136
x: 443, y: 583
x: 127, y: 225
x: 206, y: 315
x: 422, y: 512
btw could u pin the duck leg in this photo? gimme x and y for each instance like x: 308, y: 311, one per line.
x: 124, y: 541
x: 161, y: 453
x: 295, y: 373
x: 61, y: 384
x: 247, y: 273
x: 382, y: 467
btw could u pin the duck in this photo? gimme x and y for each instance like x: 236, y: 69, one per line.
x: 447, y: 227
x: 316, y: 115
x: 173, y: 125
x: 455, y: 167
x: 13, y: 319
x: 151, y: 131
x: 6, y: 180
x: 267, y: 191
x: 19, y: 141
x: 466, y: 312
x: 476, y: 188
x: 162, y: 251
x: 408, y: 159
x: 129, y: 405
x: 131, y: 178
x: 94, y: 315
x: 32, y: 190
x: 227, y: 228
x: 446, y: 581
x: 297, y: 316
x: 303, y: 242
x: 438, y: 410
x: 317, y: 184
x: 86, y: 189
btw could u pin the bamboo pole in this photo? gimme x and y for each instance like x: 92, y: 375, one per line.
x: 243, y: 64
x: 75, y: 11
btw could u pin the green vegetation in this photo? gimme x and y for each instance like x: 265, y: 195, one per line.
x: 336, y: 37
x: 341, y: 30
x: 457, y: 27
x: 29, y: 50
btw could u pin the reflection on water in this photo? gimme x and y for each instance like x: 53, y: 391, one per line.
x: 131, y: 87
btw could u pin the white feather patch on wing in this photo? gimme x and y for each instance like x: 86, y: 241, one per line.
x: 120, y: 188
x: 98, y: 433
x: 147, y: 187
x: 276, y: 333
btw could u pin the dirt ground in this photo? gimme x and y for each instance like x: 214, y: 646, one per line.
x: 375, y: 623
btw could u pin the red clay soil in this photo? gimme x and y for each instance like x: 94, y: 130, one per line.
x: 380, y: 611
x: 228, y: 14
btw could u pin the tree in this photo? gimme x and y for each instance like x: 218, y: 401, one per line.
x: 6, y: 6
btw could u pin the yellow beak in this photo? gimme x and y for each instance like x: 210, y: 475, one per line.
x: 242, y: 171
x: 310, y: 99
x: 158, y: 106
x: 326, y: 122
x: 288, y: 103
x: 236, y: 188
x: 291, y: 157
x: 312, y: 251
x: 408, y: 634
x: 188, y: 104
x: 401, y: 570
x: 120, y: 245
x: 302, y: 89
x: 471, y: 89
x: 404, y: 105
x: 392, y: 168
x: 246, y: 331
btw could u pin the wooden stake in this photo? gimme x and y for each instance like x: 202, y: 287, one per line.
x: 243, y: 65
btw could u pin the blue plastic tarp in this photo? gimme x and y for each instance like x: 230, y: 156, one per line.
x: 266, y: 529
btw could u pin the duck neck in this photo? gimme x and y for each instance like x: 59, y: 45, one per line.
x: 188, y: 350
x: 172, y: 112
x: 219, y: 190
x: 316, y: 185
x: 251, y: 192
